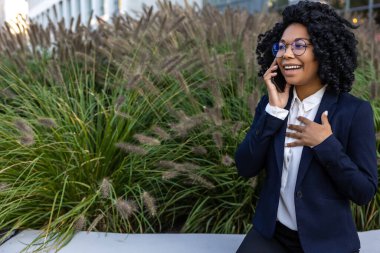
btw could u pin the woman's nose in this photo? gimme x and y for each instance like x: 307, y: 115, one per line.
x: 288, y: 52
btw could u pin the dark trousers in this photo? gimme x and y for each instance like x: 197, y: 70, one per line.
x: 284, y: 240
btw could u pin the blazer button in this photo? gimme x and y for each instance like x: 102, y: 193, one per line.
x: 299, y: 194
x: 257, y: 132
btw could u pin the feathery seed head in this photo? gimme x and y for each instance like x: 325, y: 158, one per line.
x: 27, y: 140
x: 218, y: 139
x: 8, y: 93
x: 150, y: 203
x: 23, y: 126
x: 125, y: 207
x: 215, y: 114
x: 47, y: 122
x: 227, y: 160
x: 169, y: 174
x: 161, y: 133
x: 119, y: 101
x: 252, y: 101
x: 190, y: 166
x: 143, y: 139
x: 199, y: 150
x: 80, y: 223
x: 253, y: 182
x: 3, y: 186
x: 201, y: 181
x: 105, y: 188
x: 130, y: 148
x: 236, y: 128
x: 167, y: 164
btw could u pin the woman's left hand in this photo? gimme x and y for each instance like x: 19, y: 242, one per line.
x: 310, y: 134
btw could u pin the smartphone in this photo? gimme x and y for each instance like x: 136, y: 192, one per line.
x: 279, y: 81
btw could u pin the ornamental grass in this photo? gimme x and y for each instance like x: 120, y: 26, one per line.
x: 131, y: 126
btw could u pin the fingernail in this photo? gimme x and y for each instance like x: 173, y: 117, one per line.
x: 326, y: 113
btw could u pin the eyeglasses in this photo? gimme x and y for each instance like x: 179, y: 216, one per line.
x: 298, y: 47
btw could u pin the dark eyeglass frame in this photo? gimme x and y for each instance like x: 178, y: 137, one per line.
x: 292, y: 46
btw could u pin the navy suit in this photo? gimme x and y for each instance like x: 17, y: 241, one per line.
x: 341, y: 169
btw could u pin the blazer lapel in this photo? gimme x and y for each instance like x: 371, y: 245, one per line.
x: 328, y: 102
x: 279, y: 139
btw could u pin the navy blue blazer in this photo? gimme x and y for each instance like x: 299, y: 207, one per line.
x: 341, y: 169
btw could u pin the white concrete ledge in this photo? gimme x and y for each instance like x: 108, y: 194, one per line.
x: 158, y: 243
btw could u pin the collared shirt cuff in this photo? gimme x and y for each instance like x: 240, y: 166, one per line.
x: 276, y: 111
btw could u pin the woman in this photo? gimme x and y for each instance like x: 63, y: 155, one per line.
x: 314, y: 140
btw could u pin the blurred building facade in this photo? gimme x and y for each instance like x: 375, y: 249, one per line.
x: 2, y: 11
x: 42, y: 10
x: 273, y: 5
x: 251, y: 6
x: 12, y: 11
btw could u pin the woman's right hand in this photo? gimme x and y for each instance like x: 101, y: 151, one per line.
x: 276, y: 98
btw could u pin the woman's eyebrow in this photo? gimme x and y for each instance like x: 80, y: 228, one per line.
x: 282, y: 40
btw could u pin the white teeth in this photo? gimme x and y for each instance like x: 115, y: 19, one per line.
x: 292, y: 67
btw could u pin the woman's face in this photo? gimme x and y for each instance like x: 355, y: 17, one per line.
x: 298, y: 69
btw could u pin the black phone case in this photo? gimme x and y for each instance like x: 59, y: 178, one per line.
x: 279, y: 81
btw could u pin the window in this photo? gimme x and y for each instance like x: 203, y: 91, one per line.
x: 60, y: 10
x: 89, y: 8
x: 78, y: 6
x: 101, y: 8
x: 116, y: 5
x: 68, y: 7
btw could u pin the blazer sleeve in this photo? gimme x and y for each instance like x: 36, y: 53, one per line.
x: 354, y: 172
x: 251, y: 153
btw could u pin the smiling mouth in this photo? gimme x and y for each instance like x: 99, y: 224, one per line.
x: 290, y: 70
x: 292, y: 67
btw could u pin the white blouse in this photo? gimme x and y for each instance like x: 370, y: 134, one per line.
x: 307, y: 108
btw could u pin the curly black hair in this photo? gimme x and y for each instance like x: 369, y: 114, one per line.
x: 334, y: 45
